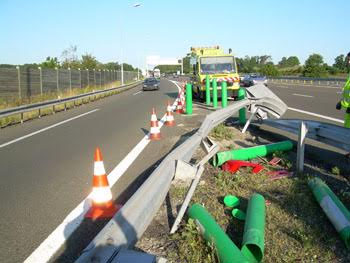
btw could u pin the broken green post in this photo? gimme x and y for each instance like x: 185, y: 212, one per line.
x: 242, y: 112
x: 244, y: 154
x: 224, y: 94
x: 227, y: 251
x: 254, y: 229
x: 189, y: 99
x: 215, y: 94
x: 207, y: 90
x: 335, y: 210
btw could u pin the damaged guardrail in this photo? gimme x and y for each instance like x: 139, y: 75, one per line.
x: 132, y: 220
x: 53, y: 103
x: 334, y: 135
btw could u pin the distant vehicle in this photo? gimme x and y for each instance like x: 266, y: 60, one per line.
x: 156, y: 73
x: 150, y: 84
x: 252, y: 79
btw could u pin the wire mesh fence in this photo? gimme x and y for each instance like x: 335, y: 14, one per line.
x: 26, y: 85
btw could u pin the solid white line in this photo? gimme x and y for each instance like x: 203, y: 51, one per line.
x: 302, y: 95
x: 137, y: 92
x: 316, y: 115
x: 58, y: 237
x: 45, y: 129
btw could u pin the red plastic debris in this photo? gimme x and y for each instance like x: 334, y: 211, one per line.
x: 274, y: 161
x: 233, y: 166
x: 280, y: 174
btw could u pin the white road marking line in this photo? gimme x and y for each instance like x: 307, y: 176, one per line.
x: 302, y: 95
x: 45, y: 129
x: 58, y: 237
x: 316, y: 115
x: 137, y: 92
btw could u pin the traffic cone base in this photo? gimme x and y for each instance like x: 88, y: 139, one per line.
x: 102, y: 211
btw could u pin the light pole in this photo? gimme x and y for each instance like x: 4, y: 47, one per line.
x: 121, y: 50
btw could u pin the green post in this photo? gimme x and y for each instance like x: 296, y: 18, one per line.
x: 224, y: 94
x: 242, y: 112
x: 347, y: 120
x: 227, y: 251
x: 207, y: 90
x: 335, y: 210
x: 215, y: 94
x: 188, y: 99
x: 251, y: 153
x: 254, y: 229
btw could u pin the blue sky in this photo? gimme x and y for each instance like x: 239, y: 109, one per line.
x: 33, y: 30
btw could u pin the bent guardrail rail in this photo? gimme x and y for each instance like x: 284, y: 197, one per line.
x: 45, y: 104
x: 132, y: 220
x: 331, y: 134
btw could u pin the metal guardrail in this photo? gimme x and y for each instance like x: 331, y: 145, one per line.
x: 53, y: 103
x: 309, y: 81
x: 330, y: 134
x: 128, y: 225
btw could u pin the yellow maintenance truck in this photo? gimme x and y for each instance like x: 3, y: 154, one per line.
x: 214, y: 62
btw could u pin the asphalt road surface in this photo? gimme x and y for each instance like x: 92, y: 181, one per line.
x: 314, y: 99
x: 45, y: 176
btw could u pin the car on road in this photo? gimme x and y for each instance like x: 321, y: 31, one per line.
x: 252, y: 79
x: 151, y: 84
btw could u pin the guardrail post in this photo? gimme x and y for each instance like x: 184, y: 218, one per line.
x: 19, y: 82
x: 207, y: 90
x: 70, y: 80
x: 188, y: 99
x: 215, y: 94
x: 242, y: 112
x: 301, y: 147
x: 41, y: 81
x: 224, y: 94
x: 57, y: 82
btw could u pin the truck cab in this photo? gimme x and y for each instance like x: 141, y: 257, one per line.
x: 212, y: 61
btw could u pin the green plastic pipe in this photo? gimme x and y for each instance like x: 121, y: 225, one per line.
x: 227, y: 251
x: 242, y: 112
x: 224, y: 94
x: 207, y: 90
x: 251, y: 153
x: 188, y: 99
x: 333, y: 208
x: 215, y: 94
x: 254, y: 229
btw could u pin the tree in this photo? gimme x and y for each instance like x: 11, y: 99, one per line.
x: 88, y: 61
x: 50, y: 62
x: 339, y: 63
x: 291, y: 61
x: 70, y: 58
x: 269, y: 70
x: 315, y: 67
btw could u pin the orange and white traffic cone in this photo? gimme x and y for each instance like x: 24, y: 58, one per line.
x: 102, y: 204
x: 179, y: 108
x: 169, y: 119
x: 155, y: 131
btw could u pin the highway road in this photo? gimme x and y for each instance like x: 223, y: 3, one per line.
x: 320, y: 100
x: 45, y: 175
x: 47, y: 163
